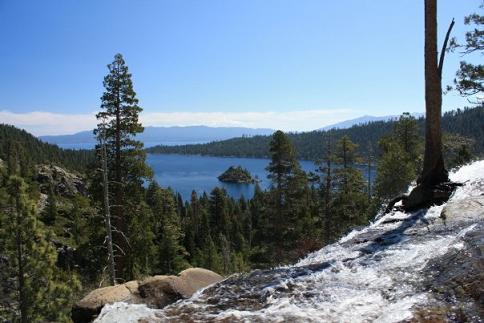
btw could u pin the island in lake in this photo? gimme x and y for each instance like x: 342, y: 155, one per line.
x: 237, y: 175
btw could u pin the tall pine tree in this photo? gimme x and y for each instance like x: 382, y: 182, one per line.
x: 169, y: 250
x: 125, y: 158
x: 288, y: 211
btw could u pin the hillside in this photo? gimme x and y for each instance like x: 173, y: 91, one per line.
x: 405, y: 267
x: 35, y: 151
x: 309, y: 145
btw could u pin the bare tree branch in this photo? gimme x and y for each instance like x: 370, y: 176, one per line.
x: 444, y: 47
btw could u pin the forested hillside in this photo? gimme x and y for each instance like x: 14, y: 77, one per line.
x: 35, y: 151
x: 468, y: 123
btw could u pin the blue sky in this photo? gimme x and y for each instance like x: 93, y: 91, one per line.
x: 290, y: 64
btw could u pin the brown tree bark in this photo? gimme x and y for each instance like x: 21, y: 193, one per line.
x: 327, y: 196
x: 434, y: 171
x: 433, y: 184
x: 107, y: 215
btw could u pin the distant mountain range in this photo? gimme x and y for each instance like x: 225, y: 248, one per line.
x: 163, y: 135
x: 173, y: 136
x: 365, y: 119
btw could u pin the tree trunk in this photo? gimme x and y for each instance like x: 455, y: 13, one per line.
x: 119, y: 220
x: 107, y: 217
x: 20, y: 259
x: 431, y: 189
x: 369, y: 173
x: 434, y: 171
x: 327, y: 198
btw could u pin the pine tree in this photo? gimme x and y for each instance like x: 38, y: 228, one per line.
x: 125, y: 156
x: 346, y: 151
x: 49, y: 214
x: 457, y: 149
x: 395, y: 170
x: 43, y: 292
x: 350, y: 202
x: 406, y: 133
x: 191, y: 226
x: 469, y: 77
x: 325, y: 178
x: 400, y: 160
x: 288, y: 214
x: 219, y: 213
x: 170, y: 254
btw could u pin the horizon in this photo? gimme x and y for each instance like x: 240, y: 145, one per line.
x: 357, y: 121
x: 272, y: 64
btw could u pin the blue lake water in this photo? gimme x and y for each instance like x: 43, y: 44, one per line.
x: 184, y: 173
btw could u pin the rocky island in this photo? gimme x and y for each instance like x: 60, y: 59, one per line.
x: 237, y: 175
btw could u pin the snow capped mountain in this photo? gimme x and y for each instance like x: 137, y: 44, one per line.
x: 365, y: 119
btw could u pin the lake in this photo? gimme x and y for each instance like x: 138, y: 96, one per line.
x: 184, y: 173
x: 147, y: 144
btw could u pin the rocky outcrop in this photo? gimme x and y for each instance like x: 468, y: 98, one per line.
x: 63, y: 182
x: 156, y: 292
x: 456, y: 278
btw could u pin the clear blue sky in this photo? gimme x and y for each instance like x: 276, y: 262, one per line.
x: 352, y: 57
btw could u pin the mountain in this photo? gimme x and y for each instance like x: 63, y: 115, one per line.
x: 163, y: 135
x: 365, y: 119
x: 468, y: 122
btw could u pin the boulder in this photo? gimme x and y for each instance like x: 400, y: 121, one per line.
x: 87, y: 309
x: 193, y: 279
x: 159, y: 291
x: 156, y: 292
x: 468, y: 209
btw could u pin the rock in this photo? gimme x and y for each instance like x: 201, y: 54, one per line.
x: 156, y: 292
x: 193, y: 279
x: 455, y: 280
x: 89, y: 307
x: 159, y: 291
x: 64, y: 183
x: 468, y: 209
